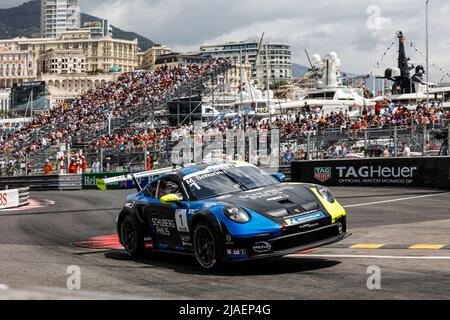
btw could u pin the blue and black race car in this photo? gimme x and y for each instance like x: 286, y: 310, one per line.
x: 229, y: 212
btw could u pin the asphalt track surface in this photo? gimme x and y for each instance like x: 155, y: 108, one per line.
x: 36, y: 248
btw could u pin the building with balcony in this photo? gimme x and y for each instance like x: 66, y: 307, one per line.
x: 60, y: 61
x: 179, y: 59
x: 5, y: 101
x: 58, y: 16
x: 102, y: 54
x: 99, y: 29
x: 148, y: 58
x: 280, y: 58
x: 16, y: 66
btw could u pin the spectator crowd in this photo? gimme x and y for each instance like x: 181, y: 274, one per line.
x: 87, y: 115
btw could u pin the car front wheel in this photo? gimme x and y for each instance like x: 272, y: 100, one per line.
x: 131, y: 236
x: 205, y: 246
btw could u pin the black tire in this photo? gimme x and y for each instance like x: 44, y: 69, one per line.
x: 206, y: 248
x: 131, y: 236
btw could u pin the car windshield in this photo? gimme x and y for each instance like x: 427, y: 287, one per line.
x: 204, y: 185
x: 251, y: 177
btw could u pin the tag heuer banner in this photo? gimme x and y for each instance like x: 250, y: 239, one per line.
x: 407, y: 172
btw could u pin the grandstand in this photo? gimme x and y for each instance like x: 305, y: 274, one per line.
x: 137, y: 101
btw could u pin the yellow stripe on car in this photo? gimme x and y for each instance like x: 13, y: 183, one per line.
x: 101, y: 184
x: 334, y: 209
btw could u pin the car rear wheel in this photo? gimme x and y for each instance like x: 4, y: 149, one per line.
x: 131, y: 236
x: 205, y: 246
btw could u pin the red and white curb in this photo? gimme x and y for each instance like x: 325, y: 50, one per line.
x: 34, y: 204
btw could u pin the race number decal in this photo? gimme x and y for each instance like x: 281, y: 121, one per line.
x: 181, y: 220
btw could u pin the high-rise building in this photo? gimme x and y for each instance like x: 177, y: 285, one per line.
x: 58, y: 16
x: 280, y: 58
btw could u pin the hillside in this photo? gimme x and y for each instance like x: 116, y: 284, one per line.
x: 298, y: 71
x: 24, y: 20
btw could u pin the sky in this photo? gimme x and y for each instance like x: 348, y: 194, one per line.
x: 358, y: 30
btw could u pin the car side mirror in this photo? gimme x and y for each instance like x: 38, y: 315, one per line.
x: 280, y: 177
x: 171, y: 198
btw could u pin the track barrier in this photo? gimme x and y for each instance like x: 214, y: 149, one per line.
x: 24, y: 196
x: 429, y: 172
x: 43, y: 183
x: 14, y: 198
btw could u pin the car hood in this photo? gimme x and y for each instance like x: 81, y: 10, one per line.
x: 294, y: 198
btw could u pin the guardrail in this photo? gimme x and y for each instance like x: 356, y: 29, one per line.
x: 24, y: 196
x: 43, y: 183
x: 14, y: 198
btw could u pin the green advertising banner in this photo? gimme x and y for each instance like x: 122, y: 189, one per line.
x: 89, y: 180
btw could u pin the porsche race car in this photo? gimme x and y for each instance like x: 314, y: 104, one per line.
x: 227, y: 213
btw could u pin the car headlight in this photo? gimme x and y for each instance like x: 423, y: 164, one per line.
x: 326, y: 194
x: 237, y: 215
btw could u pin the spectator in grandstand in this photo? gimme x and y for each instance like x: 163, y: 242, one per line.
x: 48, y: 168
x: 148, y: 162
x: 301, y: 155
x: 73, y: 167
x: 386, y: 152
x: 96, y: 166
x: 444, y: 150
x: 406, y: 150
x: 288, y: 156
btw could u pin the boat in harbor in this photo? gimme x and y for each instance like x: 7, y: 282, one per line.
x: 329, y: 94
x: 408, y: 85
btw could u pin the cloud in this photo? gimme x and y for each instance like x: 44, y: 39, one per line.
x: 319, y: 26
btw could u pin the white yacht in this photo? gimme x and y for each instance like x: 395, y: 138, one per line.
x: 330, y: 95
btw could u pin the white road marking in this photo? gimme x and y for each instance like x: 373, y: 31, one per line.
x: 337, y: 256
x: 396, y: 200
x: 4, y: 287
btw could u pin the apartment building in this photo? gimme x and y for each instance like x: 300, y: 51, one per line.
x: 58, y: 16
x: 280, y: 57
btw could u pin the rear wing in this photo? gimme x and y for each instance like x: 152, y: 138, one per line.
x: 102, y: 184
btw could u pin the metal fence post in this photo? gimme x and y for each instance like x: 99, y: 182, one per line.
x: 448, y: 140
x: 395, y: 141
x: 308, y: 146
x: 424, y: 141
x: 365, y: 143
x: 101, y: 159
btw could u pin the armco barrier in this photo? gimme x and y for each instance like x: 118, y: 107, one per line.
x: 42, y: 183
x: 13, y: 198
x: 432, y: 172
x: 9, y: 199
x: 24, y: 196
